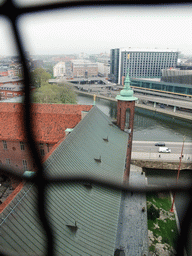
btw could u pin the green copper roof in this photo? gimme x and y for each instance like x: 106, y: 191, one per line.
x: 127, y: 93
x: 93, y: 209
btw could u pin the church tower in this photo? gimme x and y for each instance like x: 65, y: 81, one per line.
x: 126, y: 101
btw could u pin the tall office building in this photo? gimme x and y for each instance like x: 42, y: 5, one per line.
x: 114, y: 65
x: 142, y: 63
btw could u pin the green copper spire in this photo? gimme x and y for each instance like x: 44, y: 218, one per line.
x: 126, y: 94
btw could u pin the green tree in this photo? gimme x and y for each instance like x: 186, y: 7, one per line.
x: 54, y: 94
x: 39, y: 77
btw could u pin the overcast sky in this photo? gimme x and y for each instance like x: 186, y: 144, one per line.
x: 98, y: 30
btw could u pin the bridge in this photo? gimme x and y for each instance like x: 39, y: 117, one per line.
x: 110, y: 95
x: 145, y: 154
x: 155, y: 96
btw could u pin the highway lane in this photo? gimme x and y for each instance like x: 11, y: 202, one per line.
x: 149, y: 147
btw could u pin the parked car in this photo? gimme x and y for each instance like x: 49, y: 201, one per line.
x: 160, y: 144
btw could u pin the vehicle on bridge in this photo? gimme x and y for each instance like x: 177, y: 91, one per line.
x: 164, y: 150
x: 160, y: 144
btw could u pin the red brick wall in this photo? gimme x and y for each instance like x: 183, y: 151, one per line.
x: 121, y: 118
x: 51, y: 121
x: 16, y: 155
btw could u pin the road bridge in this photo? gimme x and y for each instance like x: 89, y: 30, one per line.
x: 145, y: 154
x: 110, y: 95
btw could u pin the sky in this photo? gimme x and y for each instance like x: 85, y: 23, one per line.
x: 97, y: 30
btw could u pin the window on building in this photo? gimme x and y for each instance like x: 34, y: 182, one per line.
x: 4, y: 144
x: 22, y: 145
x: 8, y: 161
x: 24, y: 162
x: 42, y: 152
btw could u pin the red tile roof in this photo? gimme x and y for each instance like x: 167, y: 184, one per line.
x: 50, y: 121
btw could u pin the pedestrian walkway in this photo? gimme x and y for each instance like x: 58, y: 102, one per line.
x: 132, y: 232
x: 160, y: 156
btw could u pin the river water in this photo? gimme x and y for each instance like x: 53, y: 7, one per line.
x: 151, y: 126
x: 148, y: 125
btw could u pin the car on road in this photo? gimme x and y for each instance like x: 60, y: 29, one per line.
x: 162, y: 106
x: 160, y: 144
x: 164, y: 150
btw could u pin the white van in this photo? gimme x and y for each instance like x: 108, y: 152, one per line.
x: 164, y: 150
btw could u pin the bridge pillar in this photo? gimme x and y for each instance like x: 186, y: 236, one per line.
x: 174, y: 109
x: 154, y: 105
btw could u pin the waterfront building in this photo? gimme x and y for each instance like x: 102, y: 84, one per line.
x: 142, y: 63
x: 176, y: 75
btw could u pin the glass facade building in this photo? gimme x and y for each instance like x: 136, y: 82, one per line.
x: 142, y: 63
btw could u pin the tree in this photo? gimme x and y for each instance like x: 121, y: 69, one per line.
x: 54, y: 94
x: 39, y: 77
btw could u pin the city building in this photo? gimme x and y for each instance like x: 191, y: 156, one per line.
x: 86, y: 219
x: 142, y: 63
x: 50, y: 123
x: 114, y: 65
x: 84, y: 68
x: 10, y: 87
x: 59, y: 70
x: 176, y: 75
x: 103, y: 69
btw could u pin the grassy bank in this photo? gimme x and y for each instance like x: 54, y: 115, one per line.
x: 162, y: 228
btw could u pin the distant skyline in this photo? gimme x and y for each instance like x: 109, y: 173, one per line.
x: 96, y: 30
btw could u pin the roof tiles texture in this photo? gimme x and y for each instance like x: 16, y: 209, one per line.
x: 50, y: 121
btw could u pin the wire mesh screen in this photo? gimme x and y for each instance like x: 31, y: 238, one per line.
x: 12, y: 11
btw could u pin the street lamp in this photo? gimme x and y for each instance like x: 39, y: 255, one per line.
x: 179, y: 168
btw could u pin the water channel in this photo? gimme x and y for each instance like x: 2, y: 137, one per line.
x: 151, y: 126
x: 148, y: 125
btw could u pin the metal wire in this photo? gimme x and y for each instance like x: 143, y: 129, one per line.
x: 12, y: 12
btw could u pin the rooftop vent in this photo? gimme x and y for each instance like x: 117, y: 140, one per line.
x: 98, y: 160
x: 73, y: 228
x: 106, y: 139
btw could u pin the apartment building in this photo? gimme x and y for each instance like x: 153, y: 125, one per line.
x: 10, y: 87
x: 142, y: 63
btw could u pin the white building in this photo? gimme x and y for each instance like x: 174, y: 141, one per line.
x: 103, y: 68
x: 59, y: 70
